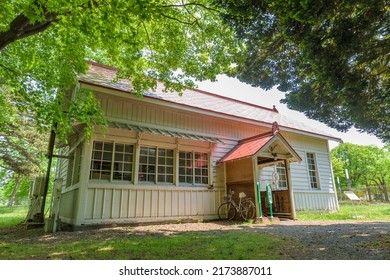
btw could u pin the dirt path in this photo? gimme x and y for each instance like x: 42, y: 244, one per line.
x: 324, y: 240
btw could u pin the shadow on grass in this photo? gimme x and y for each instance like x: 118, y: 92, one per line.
x: 331, y: 240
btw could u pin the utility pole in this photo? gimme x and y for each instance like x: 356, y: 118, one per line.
x: 339, y: 186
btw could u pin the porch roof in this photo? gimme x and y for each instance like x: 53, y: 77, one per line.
x: 271, y: 144
x: 247, y: 147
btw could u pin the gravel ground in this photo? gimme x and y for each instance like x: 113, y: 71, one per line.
x: 321, y: 240
x: 310, y: 240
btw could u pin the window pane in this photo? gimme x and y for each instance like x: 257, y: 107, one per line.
x: 129, y: 149
x: 97, y: 155
x: 119, y: 147
x: 107, y: 155
x: 105, y: 165
x: 117, y: 176
x: 118, y: 166
x: 126, y: 177
x: 118, y: 157
x: 98, y: 145
x: 108, y: 146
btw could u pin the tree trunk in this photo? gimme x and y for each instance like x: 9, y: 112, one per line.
x: 385, y: 193
x: 369, y: 193
x: 11, y: 200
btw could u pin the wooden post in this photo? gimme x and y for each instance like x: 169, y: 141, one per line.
x: 290, y: 190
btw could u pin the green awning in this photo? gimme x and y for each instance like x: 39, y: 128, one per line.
x: 164, y: 132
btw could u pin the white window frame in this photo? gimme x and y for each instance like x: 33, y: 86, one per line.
x: 157, y: 165
x: 310, y: 171
x: 200, y: 175
x: 281, y: 167
x: 113, y: 160
x: 194, y: 170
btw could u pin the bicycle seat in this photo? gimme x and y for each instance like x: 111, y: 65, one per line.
x: 241, y: 195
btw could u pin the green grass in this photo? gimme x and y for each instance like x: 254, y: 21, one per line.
x: 11, y: 216
x: 219, y: 245
x: 211, y: 245
x: 348, y: 211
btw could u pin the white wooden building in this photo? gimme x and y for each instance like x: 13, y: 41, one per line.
x: 169, y: 157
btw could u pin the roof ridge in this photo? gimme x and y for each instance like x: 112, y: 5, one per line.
x: 258, y: 136
x: 102, y: 65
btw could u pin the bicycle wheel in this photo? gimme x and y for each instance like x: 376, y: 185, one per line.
x: 226, y: 211
x: 247, y: 209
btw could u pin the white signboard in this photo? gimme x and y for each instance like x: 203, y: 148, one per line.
x: 352, y: 196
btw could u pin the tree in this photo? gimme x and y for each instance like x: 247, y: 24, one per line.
x: 381, y: 173
x: 22, y: 149
x: 330, y: 57
x: 44, y: 45
x: 367, y: 165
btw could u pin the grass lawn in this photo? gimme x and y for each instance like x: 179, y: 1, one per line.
x: 11, y: 216
x: 212, y: 245
x: 348, y: 211
x: 17, y: 243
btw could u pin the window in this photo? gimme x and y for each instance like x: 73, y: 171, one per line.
x: 155, y: 159
x: 111, y: 161
x: 193, y: 168
x: 281, y: 171
x: 311, y: 164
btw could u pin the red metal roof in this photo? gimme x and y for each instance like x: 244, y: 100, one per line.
x: 248, y: 147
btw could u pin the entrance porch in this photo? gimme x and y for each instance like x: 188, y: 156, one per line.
x: 247, y: 166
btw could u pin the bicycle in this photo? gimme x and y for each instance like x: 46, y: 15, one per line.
x: 228, y: 209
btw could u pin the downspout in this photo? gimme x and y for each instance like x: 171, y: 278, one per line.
x: 46, y: 186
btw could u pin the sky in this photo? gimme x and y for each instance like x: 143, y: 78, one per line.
x: 231, y: 87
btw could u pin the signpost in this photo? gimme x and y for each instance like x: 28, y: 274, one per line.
x: 268, y: 194
x: 353, y: 197
x: 259, y: 200
x: 339, y: 185
x: 349, y: 180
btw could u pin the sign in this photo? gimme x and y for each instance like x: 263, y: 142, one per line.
x: 268, y: 194
x: 352, y: 196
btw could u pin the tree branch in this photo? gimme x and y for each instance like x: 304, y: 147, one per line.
x: 22, y: 27
x: 183, y: 5
x: 179, y: 20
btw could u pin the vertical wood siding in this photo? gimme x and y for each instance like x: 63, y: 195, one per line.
x: 323, y: 198
x: 315, y: 201
x: 67, y: 206
x: 129, y: 204
x: 138, y: 112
